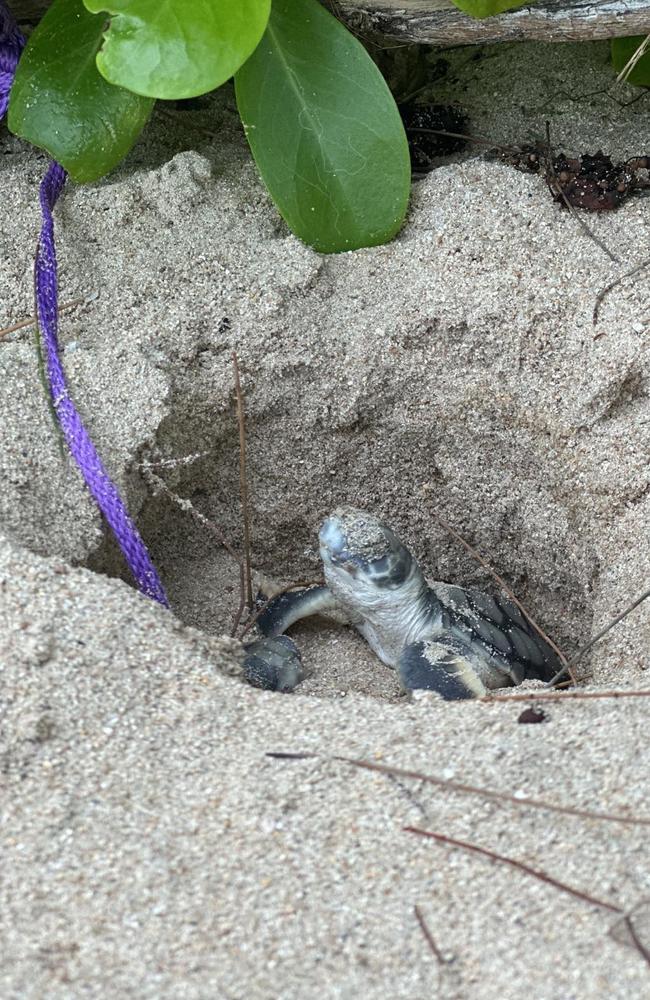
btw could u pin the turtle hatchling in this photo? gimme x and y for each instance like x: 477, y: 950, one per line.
x: 460, y: 643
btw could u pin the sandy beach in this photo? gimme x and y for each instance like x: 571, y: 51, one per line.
x: 150, y: 846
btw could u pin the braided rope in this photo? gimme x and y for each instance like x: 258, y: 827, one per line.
x: 97, y: 479
x: 11, y: 45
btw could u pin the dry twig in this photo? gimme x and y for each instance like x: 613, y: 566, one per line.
x: 633, y: 60
x: 564, y: 695
x: 486, y: 793
x: 608, y: 288
x: 599, y: 635
x: 536, y: 873
x: 243, y: 483
x: 287, y: 755
x: 428, y: 936
x: 31, y: 320
x: 636, y: 940
x: 155, y: 483
x: 456, y: 786
x: 541, y: 876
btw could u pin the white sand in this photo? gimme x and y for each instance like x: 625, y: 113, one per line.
x: 150, y: 849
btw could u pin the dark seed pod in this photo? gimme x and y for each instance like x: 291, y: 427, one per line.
x: 532, y: 715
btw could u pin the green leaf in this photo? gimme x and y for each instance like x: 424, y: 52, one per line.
x: 488, y: 8
x: 60, y: 102
x: 178, y: 48
x: 622, y: 51
x: 324, y: 130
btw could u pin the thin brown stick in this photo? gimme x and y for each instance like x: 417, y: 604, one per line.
x: 243, y: 483
x: 287, y: 755
x: 428, y: 936
x: 638, y: 943
x: 608, y: 288
x: 154, y: 482
x: 599, y: 635
x: 564, y: 696
x: 633, y: 60
x: 504, y: 586
x: 31, y: 320
x: 242, y: 602
x: 478, y: 139
x: 486, y: 793
x: 568, y: 683
x: 534, y: 872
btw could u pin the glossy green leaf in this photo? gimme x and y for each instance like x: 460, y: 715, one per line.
x: 177, y: 48
x: 324, y: 130
x: 60, y: 102
x: 488, y: 8
x: 622, y: 51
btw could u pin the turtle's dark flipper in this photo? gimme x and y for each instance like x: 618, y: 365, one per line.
x: 507, y: 640
x: 273, y: 664
x: 290, y: 607
x: 443, y: 665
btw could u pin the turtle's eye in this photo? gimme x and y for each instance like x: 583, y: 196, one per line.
x: 390, y: 570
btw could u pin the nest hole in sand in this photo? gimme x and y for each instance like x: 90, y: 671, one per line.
x: 507, y: 510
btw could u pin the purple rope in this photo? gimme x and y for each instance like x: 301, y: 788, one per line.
x: 11, y: 45
x: 102, y: 488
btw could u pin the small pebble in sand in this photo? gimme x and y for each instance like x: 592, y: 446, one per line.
x: 532, y: 715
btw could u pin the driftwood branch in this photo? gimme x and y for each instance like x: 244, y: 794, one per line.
x: 438, y: 22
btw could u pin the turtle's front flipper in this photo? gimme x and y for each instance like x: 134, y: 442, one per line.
x: 290, y: 607
x: 273, y: 664
x: 444, y: 665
